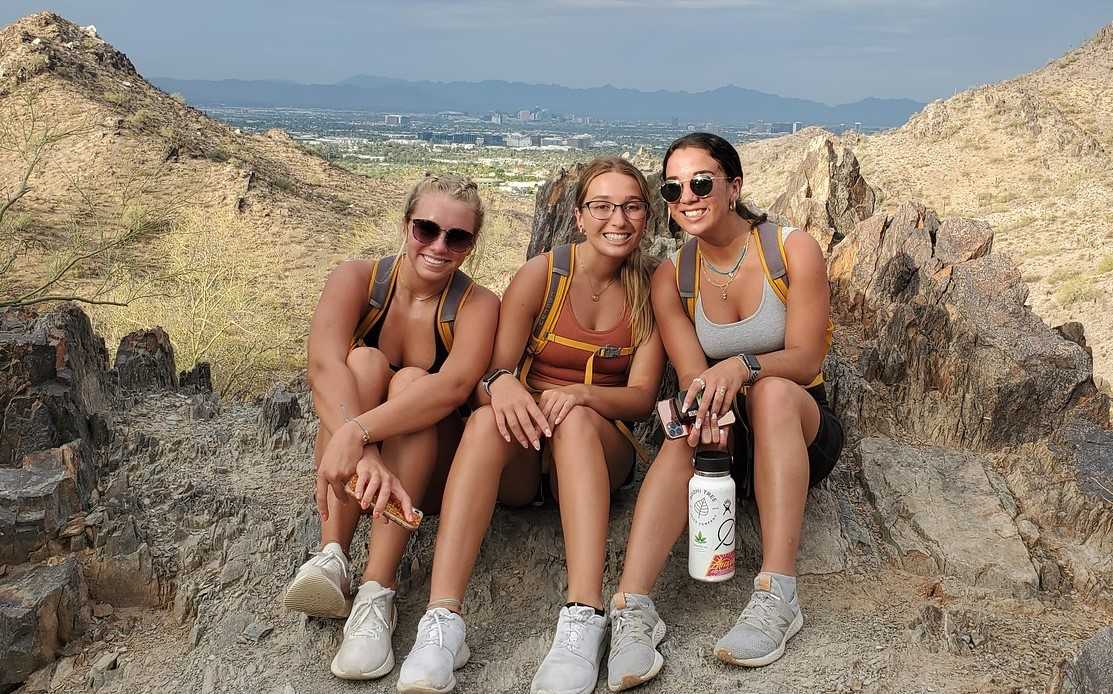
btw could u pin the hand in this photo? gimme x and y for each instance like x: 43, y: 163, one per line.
x: 714, y: 437
x: 720, y: 385
x: 556, y: 403
x: 338, y: 464
x: 515, y: 411
x: 375, y: 484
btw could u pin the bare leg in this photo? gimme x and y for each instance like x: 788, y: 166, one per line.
x: 590, y: 459
x: 784, y: 418
x: 370, y: 371
x: 413, y: 459
x: 660, y: 516
x: 469, y: 499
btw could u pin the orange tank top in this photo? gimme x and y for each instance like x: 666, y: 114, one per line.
x: 559, y: 365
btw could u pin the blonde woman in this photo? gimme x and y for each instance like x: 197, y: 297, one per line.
x: 396, y: 347
x: 576, y: 324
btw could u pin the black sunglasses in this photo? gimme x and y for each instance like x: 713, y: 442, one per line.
x: 701, y: 184
x: 426, y: 231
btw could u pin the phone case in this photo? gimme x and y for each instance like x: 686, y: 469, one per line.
x: 393, y: 510
x: 666, y: 412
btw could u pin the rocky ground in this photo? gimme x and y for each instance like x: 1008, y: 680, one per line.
x: 963, y: 545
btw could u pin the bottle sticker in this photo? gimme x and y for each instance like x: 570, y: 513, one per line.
x: 721, y: 564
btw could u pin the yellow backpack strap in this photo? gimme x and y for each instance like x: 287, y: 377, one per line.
x: 452, y: 298
x: 561, y: 261
x: 687, y: 276
x: 639, y: 449
x: 380, y: 288
x: 774, y: 261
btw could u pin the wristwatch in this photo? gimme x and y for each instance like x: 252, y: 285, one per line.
x: 753, y: 366
x: 492, y: 376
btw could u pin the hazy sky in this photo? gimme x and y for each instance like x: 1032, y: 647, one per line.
x: 829, y: 50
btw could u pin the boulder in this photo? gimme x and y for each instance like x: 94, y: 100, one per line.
x: 940, y: 515
x: 827, y: 195
x: 122, y: 571
x: 39, y: 498
x: 40, y: 612
x: 145, y: 361
x: 1089, y: 672
x: 945, y: 333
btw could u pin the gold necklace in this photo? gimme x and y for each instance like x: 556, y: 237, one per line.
x: 418, y: 297
x: 596, y: 294
x: 722, y: 287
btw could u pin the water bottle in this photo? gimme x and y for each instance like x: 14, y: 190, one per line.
x: 711, y: 506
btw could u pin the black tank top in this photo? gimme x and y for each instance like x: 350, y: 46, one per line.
x: 371, y: 339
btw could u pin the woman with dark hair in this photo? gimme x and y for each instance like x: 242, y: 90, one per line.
x: 396, y: 347
x: 576, y: 355
x: 751, y: 344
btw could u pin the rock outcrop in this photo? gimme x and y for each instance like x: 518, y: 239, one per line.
x: 827, y: 195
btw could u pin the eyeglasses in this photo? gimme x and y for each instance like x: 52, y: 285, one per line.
x: 700, y: 184
x: 426, y: 231
x: 635, y: 210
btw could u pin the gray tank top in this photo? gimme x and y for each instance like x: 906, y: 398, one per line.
x: 761, y: 332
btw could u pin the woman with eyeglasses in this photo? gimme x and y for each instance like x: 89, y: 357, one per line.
x: 577, y: 326
x: 396, y: 348
x: 741, y: 339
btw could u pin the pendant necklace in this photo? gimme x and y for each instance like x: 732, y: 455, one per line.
x: 729, y: 274
x: 596, y: 294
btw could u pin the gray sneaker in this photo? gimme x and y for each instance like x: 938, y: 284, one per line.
x: 321, y: 587
x: 572, y: 665
x: 764, y: 627
x: 636, y: 631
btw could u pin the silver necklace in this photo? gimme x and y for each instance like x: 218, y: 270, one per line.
x: 731, y: 272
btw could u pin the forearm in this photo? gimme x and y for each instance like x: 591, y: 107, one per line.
x: 795, y: 364
x: 334, y: 395
x: 425, y: 402
x: 621, y: 403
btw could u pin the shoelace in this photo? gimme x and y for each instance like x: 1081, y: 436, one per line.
x: 362, y: 621
x: 761, y: 609
x: 432, y: 626
x: 325, y: 559
x: 630, y: 626
x: 573, y: 634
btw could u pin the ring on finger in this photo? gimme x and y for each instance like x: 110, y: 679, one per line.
x: 702, y: 383
x: 721, y: 390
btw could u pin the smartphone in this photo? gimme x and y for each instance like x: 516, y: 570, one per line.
x: 393, y: 510
x: 677, y: 423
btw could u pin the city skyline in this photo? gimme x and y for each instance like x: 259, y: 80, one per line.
x: 831, y: 51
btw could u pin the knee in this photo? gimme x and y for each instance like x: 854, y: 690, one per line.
x: 401, y: 380
x: 674, y: 456
x: 579, y: 422
x: 480, y: 427
x: 364, y: 361
x: 773, y: 401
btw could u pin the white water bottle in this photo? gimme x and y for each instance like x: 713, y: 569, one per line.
x: 711, y: 506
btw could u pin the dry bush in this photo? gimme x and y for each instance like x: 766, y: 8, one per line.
x: 210, y: 299
x: 1105, y: 264
x: 1075, y: 290
x: 1063, y: 274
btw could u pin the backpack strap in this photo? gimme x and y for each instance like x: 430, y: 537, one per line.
x: 687, y: 275
x: 774, y: 261
x: 452, y: 298
x: 380, y: 289
x: 560, y: 261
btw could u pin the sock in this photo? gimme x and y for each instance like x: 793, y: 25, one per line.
x: 599, y: 612
x: 787, y: 584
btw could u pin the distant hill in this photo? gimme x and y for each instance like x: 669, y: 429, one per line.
x: 1032, y: 155
x: 729, y: 104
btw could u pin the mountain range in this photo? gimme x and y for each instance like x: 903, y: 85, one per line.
x: 725, y: 105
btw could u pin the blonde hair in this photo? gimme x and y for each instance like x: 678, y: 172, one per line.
x: 454, y: 186
x: 634, y: 272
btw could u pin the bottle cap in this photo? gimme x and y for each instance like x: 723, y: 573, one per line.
x: 713, y: 461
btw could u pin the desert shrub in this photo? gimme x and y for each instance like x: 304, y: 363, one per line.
x: 1106, y: 264
x: 1075, y: 290
x: 140, y: 119
x: 213, y: 300
x: 117, y: 98
x: 1063, y: 274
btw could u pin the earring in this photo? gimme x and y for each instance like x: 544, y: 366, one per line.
x: 732, y: 205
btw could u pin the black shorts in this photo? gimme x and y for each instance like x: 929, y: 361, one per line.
x: 823, y: 452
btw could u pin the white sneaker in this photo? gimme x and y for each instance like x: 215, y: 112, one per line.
x: 321, y: 587
x: 367, y: 652
x: 438, y: 650
x: 572, y: 665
